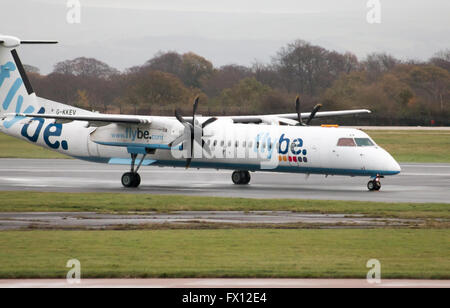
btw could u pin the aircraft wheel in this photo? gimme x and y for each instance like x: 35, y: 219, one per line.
x: 246, y: 177
x: 237, y: 177
x: 241, y: 177
x: 130, y: 179
x: 374, y: 185
x: 137, y: 180
x: 377, y: 185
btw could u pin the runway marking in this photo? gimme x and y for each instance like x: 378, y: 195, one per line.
x: 427, y: 174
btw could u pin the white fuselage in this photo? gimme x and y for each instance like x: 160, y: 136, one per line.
x: 271, y: 148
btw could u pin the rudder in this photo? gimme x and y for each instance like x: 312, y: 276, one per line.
x: 16, y: 93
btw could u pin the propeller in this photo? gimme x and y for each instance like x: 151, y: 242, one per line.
x: 313, y: 113
x: 299, y: 113
x: 194, y: 130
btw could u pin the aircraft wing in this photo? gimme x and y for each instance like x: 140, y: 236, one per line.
x: 130, y: 119
x: 293, y: 116
x: 92, y: 118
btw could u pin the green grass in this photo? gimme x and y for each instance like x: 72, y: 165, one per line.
x: 226, y: 253
x: 112, y: 202
x: 415, y: 146
x: 405, y: 146
x: 15, y: 148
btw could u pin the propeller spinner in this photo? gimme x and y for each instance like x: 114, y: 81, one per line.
x: 194, y: 130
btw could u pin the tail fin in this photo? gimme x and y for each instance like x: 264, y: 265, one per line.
x: 16, y: 92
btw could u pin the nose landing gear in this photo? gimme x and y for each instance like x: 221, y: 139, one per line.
x: 241, y: 177
x: 374, y: 184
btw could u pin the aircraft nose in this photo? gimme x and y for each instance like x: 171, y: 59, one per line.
x: 393, y: 165
x: 396, y: 167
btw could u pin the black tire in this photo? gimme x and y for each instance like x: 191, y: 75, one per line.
x: 371, y: 185
x: 246, y: 177
x: 128, y: 179
x: 377, y: 185
x: 136, y: 180
x: 237, y: 178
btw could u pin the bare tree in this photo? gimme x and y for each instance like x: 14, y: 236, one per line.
x: 85, y: 67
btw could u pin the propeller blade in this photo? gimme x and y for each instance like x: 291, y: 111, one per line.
x: 179, y: 117
x: 194, y: 111
x: 177, y: 141
x: 313, y: 113
x: 206, y: 148
x: 188, y: 163
x: 299, y: 113
x: 196, y: 105
x: 208, y: 122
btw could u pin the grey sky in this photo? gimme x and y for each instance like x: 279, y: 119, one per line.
x: 129, y: 32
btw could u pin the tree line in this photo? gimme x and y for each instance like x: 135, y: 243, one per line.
x: 398, y: 92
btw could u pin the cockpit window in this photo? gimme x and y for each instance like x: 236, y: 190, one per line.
x: 346, y: 142
x: 364, y: 142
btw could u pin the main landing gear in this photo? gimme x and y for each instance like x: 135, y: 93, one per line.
x: 374, y: 184
x: 133, y: 179
x: 241, y: 177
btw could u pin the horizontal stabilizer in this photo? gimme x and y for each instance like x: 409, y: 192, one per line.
x: 38, y: 42
x: 14, y: 42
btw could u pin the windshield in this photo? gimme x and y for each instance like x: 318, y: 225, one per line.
x: 364, y: 142
x: 346, y: 142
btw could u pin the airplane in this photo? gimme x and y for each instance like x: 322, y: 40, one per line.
x: 283, y: 143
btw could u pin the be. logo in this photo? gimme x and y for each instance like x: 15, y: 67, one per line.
x: 292, y: 150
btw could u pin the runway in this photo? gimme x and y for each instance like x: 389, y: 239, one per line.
x: 223, y: 283
x: 416, y: 183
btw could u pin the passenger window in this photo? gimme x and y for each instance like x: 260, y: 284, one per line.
x: 222, y: 143
x: 215, y: 142
x: 250, y: 144
x: 237, y: 144
x: 364, y: 142
x: 346, y: 142
x: 244, y: 144
x: 229, y: 144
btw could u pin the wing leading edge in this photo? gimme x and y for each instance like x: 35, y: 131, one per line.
x: 294, y: 116
x: 107, y: 118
